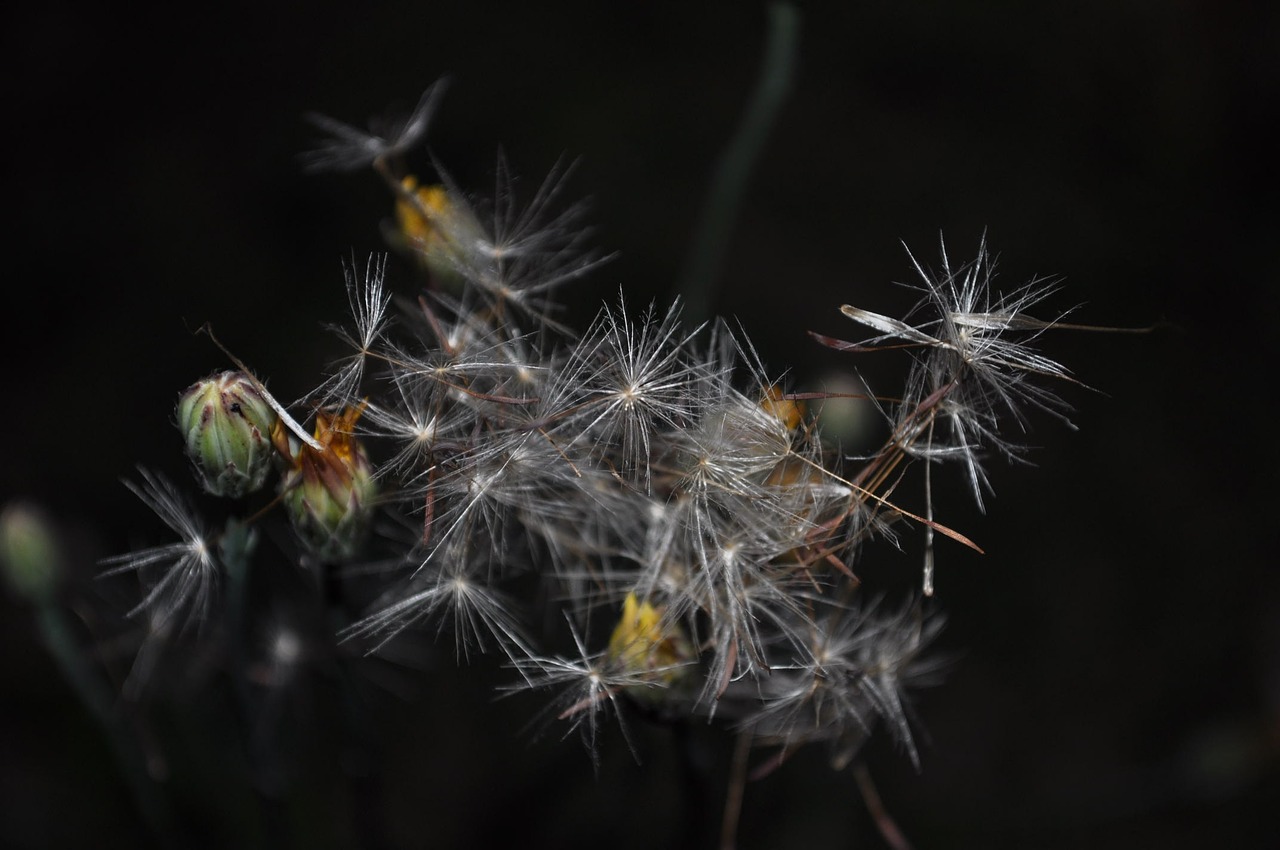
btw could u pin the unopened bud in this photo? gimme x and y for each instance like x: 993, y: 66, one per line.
x: 227, y: 425
x: 29, y: 555
x: 329, y: 495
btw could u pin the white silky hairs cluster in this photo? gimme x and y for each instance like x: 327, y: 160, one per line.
x: 671, y: 503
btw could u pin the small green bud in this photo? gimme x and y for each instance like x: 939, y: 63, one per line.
x: 329, y: 495
x: 227, y: 425
x: 29, y: 553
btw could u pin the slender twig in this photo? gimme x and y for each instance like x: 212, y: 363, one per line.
x: 56, y: 633
x: 888, y: 829
x: 715, y: 223
x: 736, y: 790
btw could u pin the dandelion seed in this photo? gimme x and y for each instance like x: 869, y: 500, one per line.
x: 857, y: 666
x: 350, y: 149
x: 183, y: 576
x: 448, y: 588
x: 368, y: 301
x: 978, y: 361
x: 523, y: 253
x: 417, y: 422
x: 974, y: 336
x: 591, y: 687
x: 968, y: 334
x: 624, y: 382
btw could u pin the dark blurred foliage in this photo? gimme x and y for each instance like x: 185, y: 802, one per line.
x: 1117, y: 673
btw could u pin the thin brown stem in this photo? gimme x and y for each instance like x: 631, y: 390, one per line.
x: 735, y: 792
x: 884, y: 823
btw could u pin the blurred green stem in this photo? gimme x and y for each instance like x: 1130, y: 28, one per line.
x: 702, y: 266
x: 59, y: 639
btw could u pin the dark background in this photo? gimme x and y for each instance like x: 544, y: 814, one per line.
x: 1118, y: 673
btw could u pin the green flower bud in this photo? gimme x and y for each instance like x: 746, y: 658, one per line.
x: 227, y: 425
x: 329, y: 495
x: 30, y: 559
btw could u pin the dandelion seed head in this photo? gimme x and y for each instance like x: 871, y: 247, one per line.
x: 642, y: 466
x: 182, y: 577
x: 348, y: 148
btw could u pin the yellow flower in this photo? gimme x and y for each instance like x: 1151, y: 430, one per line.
x: 643, y: 645
x: 440, y: 230
x: 422, y: 233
